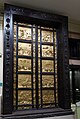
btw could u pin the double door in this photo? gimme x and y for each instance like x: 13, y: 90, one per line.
x: 35, y: 67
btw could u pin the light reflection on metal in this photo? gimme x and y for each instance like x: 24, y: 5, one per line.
x: 26, y: 44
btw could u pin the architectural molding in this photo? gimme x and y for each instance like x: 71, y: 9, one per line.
x: 61, y: 24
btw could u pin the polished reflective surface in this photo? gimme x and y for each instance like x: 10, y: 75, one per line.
x: 24, y: 97
x: 24, y: 64
x: 24, y: 81
x: 47, y: 81
x: 24, y: 49
x: 24, y: 33
x: 47, y: 66
x: 47, y: 51
x: 35, y: 67
x: 48, y: 96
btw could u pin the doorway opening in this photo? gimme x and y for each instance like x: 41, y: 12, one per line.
x: 75, y: 84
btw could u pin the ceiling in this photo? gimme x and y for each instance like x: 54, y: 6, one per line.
x: 70, y: 8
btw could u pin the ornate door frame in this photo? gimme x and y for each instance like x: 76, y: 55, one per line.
x: 61, y: 23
